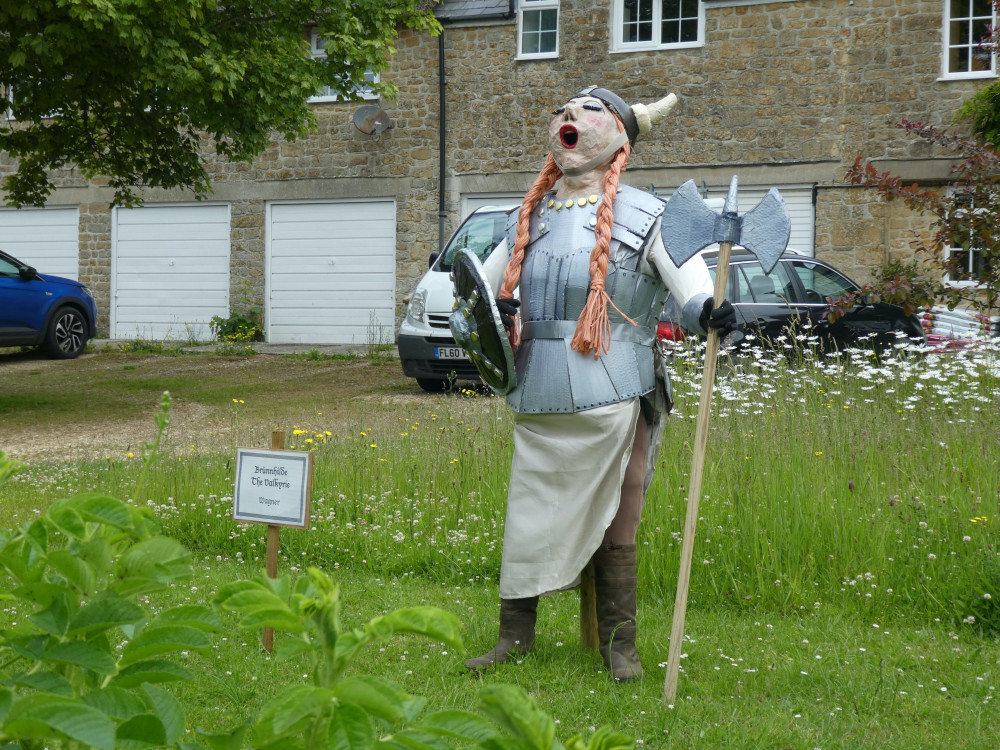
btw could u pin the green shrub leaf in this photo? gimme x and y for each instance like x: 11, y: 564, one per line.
x: 67, y: 520
x: 158, y: 560
x: 154, y: 671
x: 43, y: 715
x: 93, y: 506
x: 142, y: 731
x: 83, y: 654
x: 46, y: 681
x: 516, y: 712
x: 6, y: 701
x: 415, y: 739
x: 168, y: 709
x: 248, y: 599
x: 427, y: 621
x: 232, y: 740
x: 193, y: 615
x: 115, y: 702
x: 378, y: 697
x: 350, y: 729
x: 279, y: 619
x: 54, y: 619
x: 290, y: 711
x: 74, y: 570
x: 460, y: 725
x: 164, y: 639
x: 104, y: 613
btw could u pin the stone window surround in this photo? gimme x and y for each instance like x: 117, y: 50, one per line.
x: 619, y: 46
x: 524, y: 6
x: 318, y: 53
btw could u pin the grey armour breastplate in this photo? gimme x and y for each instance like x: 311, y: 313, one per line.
x: 555, y: 279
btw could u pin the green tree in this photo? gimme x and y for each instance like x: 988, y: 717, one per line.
x: 982, y: 110
x: 135, y: 91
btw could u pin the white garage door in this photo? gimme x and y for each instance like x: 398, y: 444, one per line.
x: 46, y: 238
x: 170, y: 271
x: 331, y: 272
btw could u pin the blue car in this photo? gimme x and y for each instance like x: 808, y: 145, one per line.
x: 57, y: 314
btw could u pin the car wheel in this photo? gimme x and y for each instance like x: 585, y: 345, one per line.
x: 432, y: 385
x: 66, y: 336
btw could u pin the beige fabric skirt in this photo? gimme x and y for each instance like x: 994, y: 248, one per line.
x: 565, y: 487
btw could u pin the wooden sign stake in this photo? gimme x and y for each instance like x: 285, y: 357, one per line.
x: 271, y: 561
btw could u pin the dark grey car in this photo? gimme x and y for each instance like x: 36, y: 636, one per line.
x: 795, y: 299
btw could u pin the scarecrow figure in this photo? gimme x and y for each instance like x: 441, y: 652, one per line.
x: 588, y: 261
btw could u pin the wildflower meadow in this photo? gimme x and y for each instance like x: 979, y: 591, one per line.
x: 846, y: 585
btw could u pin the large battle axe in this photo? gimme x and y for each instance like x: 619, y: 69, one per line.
x: 689, y: 225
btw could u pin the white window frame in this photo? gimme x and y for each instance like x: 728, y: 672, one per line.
x: 947, y: 46
x: 535, y: 6
x: 618, y: 43
x: 972, y: 251
x: 318, y: 52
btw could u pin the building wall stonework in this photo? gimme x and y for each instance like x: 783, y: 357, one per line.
x: 780, y: 93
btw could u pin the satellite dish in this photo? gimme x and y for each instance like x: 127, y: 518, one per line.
x: 372, y: 120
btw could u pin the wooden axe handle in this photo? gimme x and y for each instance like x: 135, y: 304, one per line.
x: 694, y: 484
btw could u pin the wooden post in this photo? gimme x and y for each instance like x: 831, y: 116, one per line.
x: 588, y: 608
x: 271, y: 560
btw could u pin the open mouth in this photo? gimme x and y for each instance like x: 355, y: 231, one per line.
x: 568, y: 135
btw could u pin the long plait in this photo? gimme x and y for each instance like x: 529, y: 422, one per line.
x: 593, y: 329
x: 512, y: 275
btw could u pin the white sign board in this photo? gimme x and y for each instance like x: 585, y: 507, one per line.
x: 273, y: 487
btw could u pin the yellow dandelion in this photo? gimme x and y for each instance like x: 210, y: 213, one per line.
x: 130, y: 454
x: 818, y: 453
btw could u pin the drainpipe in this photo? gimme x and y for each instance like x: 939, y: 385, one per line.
x: 442, y: 127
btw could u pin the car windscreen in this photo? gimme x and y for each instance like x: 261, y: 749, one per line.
x: 480, y: 233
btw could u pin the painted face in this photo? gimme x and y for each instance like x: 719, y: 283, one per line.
x: 580, y: 130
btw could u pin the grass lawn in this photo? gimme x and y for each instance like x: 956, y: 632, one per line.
x: 847, y: 565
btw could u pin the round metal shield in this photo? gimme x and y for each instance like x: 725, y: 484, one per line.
x: 477, y: 327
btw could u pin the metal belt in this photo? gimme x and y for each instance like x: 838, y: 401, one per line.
x: 564, y: 329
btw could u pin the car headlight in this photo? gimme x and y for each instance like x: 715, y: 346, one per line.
x: 418, y: 304
x: 86, y: 291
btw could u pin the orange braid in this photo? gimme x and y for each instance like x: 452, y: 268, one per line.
x: 593, y: 329
x: 512, y: 275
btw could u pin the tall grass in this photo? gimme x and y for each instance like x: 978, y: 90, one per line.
x: 861, y: 485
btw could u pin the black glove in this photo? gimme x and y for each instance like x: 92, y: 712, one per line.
x: 508, y: 311
x: 721, y: 318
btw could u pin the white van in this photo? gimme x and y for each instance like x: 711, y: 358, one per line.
x: 427, y: 350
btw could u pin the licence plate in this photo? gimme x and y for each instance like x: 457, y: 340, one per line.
x: 450, y: 352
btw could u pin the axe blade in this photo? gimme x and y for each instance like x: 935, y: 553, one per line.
x: 688, y: 224
x: 766, y: 229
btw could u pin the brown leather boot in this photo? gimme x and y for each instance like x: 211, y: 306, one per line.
x: 517, y: 633
x: 614, y: 582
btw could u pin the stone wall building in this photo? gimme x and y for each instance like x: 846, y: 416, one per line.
x: 330, y: 234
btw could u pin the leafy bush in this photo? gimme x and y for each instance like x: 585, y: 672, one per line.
x: 86, y: 664
x: 244, y: 323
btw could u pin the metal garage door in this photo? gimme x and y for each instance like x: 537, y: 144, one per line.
x: 46, y: 238
x: 331, y: 272
x: 170, y: 271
